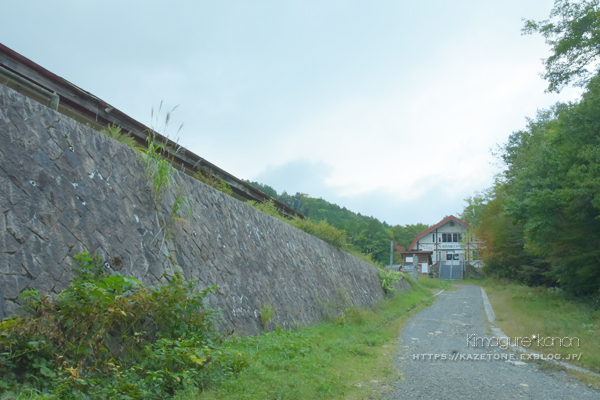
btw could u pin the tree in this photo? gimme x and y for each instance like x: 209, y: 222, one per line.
x: 503, y: 244
x: 263, y: 188
x: 542, y: 224
x: 573, y: 32
x: 404, y: 235
x: 554, y: 190
x: 476, y: 206
x: 366, y: 234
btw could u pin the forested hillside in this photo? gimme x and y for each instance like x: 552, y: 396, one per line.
x: 366, y: 234
x: 540, y: 222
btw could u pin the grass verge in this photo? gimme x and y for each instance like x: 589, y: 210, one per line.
x: 349, y: 358
x: 109, y: 337
x: 434, y: 284
x: 523, y: 311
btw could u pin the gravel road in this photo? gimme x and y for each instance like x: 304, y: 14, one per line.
x: 450, y: 328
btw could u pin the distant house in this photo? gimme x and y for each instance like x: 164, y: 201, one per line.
x: 423, y: 260
x: 450, y: 242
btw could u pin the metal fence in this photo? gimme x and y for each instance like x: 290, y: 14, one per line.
x: 451, y: 270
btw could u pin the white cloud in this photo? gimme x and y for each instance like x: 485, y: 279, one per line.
x: 387, y: 107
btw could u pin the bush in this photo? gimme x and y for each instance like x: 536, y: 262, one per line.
x: 111, y: 337
x: 388, y: 278
x: 323, y: 231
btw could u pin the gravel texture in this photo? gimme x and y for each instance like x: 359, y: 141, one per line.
x: 470, y: 370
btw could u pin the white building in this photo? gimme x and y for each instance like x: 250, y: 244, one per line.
x: 449, y: 240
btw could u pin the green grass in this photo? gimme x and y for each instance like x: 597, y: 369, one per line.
x: 523, y: 311
x: 320, y: 229
x: 115, y: 132
x: 349, y: 356
x: 266, y: 313
x: 214, y: 182
x: 159, y: 171
x: 365, y: 257
x: 332, y: 360
x: 434, y: 283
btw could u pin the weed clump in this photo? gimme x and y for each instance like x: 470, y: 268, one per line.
x: 111, y: 337
x: 115, y: 132
x: 266, y: 313
x: 159, y: 171
x: 366, y: 257
x: 387, y: 278
x: 268, y: 208
x: 333, y: 236
x: 214, y: 182
x: 321, y: 229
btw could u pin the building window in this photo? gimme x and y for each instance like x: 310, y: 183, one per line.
x: 451, y: 237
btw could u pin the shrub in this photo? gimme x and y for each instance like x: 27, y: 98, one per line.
x: 323, y: 231
x: 111, y: 337
x: 388, y: 278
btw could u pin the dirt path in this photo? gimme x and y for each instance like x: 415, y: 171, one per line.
x: 442, y: 357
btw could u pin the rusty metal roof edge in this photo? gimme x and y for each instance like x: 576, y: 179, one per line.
x: 70, y: 95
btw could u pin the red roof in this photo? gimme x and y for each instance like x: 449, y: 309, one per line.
x: 434, y: 227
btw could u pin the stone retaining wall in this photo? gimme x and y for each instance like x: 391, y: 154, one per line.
x: 65, y: 188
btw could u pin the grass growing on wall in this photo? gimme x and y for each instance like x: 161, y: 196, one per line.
x: 365, y: 257
x: 321, y: 229
x: 214, y: 182
x: 333, y: 236
x: 115, y: 132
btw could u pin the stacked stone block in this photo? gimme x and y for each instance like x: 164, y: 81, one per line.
x: 65, y: 189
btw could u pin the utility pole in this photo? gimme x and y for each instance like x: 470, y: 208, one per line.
x: 391, y: 254
x: 415, y: 267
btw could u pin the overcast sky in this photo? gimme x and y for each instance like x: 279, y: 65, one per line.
x: 388, y: 108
